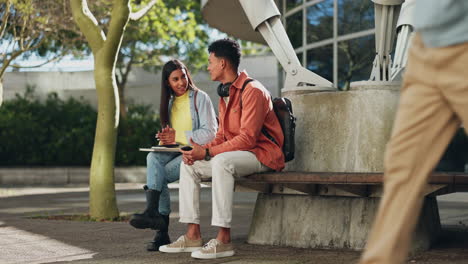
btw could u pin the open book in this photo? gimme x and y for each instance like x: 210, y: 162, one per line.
x: 163, y: 148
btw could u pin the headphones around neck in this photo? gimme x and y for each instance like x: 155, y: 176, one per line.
x: 223, y: 89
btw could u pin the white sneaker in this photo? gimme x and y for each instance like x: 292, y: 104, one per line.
x: 182, y: 244
x: 214, y: 249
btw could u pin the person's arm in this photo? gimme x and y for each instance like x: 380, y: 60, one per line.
x: 219, y: 137
x: 207, y: 117
x: 255, y: 107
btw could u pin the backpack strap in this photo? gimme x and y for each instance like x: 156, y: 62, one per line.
x: 243, y: 88
x: 264, y: 131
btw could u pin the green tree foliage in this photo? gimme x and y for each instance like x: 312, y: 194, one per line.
x: 250, y: 48
x: 51, y: 133
x: 56, y: 132
x: 40, y: 27
x: 172, y: 28
x: 137, y: 130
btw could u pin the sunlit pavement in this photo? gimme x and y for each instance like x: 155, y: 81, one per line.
x: 19, y: 246
x: 25, y: 240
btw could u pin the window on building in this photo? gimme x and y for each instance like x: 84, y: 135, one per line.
x: 355, y: 59
x: 320, y: 61
x: 324, y: 32
x: 299, y: 56
x: 290, y: 4
x: 355, y: 16
x: 319, y: 21
x: 294, y: 29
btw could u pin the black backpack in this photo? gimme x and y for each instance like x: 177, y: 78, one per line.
x: 284, y: 112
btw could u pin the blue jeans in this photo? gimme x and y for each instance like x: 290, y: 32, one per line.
x: 162, y: 168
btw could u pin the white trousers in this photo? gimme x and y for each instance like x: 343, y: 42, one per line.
x: 223, y: 169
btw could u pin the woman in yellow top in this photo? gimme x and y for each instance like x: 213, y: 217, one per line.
x: 185, y: 113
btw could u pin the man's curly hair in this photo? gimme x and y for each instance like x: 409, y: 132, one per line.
x: 228, y: 49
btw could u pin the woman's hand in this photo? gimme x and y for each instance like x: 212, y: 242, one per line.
x: 166, y: 135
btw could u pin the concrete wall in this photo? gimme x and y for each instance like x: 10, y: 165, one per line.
x: 47, y: 176
x: 143, y: 87
x: 329, y: 222
x: 342, y: 131
x: 336, y: 132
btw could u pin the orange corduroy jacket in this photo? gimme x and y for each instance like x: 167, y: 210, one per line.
x: 240, y: 126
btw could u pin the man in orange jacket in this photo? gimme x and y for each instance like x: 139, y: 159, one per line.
x: 249, y: 140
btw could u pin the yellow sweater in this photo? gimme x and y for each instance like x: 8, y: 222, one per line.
x: 181, y: 119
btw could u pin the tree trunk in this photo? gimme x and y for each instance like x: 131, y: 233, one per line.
x: 102, y: 201
x: 124, y: 70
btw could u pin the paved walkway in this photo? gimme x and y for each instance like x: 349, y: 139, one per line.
x: 25, y: 240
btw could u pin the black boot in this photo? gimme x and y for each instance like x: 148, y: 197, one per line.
x: 150, y: 218
x: 161, y: 238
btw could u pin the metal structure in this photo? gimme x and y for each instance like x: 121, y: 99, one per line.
x: 267, y: 22
x: 388, y: 21
x: 404, y: 31
x: 259, y: 21
x: 386, y: 15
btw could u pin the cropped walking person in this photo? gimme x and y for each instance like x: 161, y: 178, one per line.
x: 433, y: 104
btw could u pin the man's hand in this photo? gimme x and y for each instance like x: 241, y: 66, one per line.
x: 166, y: 135
x: 186, y: 160
x: 190, y: 156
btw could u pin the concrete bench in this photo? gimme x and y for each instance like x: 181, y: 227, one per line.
x: 333, y: 209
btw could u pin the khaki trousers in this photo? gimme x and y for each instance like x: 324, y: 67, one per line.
x: 433, y: 103
x: 223, y: 169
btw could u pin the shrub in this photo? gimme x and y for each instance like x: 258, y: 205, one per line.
x: 138, y: 130
x: 57, y: 132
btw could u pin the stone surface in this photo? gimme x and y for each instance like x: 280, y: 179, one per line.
x: 375, y: 85
x: 327, y: 222
x: 33, y: 176
x: 342, y: 131
x: 116, y: 242
x: 65, y: 175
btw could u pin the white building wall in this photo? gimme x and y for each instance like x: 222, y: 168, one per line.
x: 143, y: 87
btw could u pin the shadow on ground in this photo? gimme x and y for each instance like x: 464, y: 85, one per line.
x: 25, y: 240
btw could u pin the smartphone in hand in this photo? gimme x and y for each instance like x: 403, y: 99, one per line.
x: 186, y: 148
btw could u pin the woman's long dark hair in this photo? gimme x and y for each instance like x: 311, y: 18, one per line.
x: 166, y: 91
